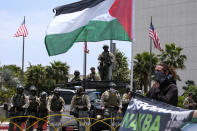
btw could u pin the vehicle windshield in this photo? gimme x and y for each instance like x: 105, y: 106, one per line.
x: 94, y: 95
x: 67, y: 96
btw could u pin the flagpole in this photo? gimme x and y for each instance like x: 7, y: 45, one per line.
x: 23, y: 56
x: 84, y: 64
x: 132, y: 41
x: 150, y: 69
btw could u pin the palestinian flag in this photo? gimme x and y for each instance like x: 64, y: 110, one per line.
x: 91, y: 21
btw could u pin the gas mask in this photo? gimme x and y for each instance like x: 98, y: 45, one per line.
x: 160, y: 77
x: 33, y: 93
x: 57, y: 94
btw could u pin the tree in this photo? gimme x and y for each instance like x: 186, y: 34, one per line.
x: 141, y: 68
x: 58, y: 71
x: 172, y: 56
x: 35, y: 75
x: 8, y: 82
x: 121, y: 72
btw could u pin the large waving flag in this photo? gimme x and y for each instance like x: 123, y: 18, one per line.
x: 91, y: 21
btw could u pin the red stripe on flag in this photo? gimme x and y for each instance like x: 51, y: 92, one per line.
x: 122, y: 10
x: 22, y: 31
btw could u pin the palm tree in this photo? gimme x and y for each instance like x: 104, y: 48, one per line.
x: 59, y: 71
x: 141, y: 68
x: 172, y: 56
x: 35, y: 75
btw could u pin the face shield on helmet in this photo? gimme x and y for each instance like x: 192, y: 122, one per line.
x: 79, y: 89
x: 43, y: 94
x: 33, y: 90
x: 19, y: 89
x: 56, y: 91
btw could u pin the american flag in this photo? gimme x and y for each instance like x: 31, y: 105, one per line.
x: 22, y: 30
x: 86, y: 48
x: 153, y: 34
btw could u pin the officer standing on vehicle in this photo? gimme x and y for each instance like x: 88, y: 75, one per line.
x: 19, y: 102
x: 32, y: 110
x: 80, y: 105
x: 93, y: 76
x: 42, y: 110
x: 76, y: 76
x: 55, y: 107
x: 106, y: 59
x: 126, y: 99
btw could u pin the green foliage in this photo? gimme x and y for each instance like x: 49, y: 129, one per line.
x: 8, y: 81
x: 173, y: 57
x: 121, y: 72
x: 45, y: 78
x: 141, y: 68
x: 188, y: 84
x: 35, y: 75
x: 180, y: 101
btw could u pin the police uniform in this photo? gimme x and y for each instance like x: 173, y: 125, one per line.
x: 80, y: 104
x: 111, y: 99
x: 42, y: 110
x: 55, y: 106
x: 106, y: 58
x: 76, y: 78
x: 187, y: 102
x: 19, y: 102
x: 32, y: 110
x: 93, y: 77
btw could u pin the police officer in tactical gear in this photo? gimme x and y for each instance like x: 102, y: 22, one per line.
x: 80, y: 105
x: 189, y: 102
x: 111, y: 103
x: 42, y: 110
x: 93, y: 75
x: 76, y: 76
x: 105, y: 59
x: 32, y: 110
x: 126, y: 99
x: 19, y: 102
x: 55, y: 107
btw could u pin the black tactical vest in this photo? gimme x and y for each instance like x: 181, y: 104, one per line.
x: 33, y: 104
x: 19, y: 100
x: 56, y: 104
x: 43, y: 105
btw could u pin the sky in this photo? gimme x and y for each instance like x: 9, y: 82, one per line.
x: 38, y: 15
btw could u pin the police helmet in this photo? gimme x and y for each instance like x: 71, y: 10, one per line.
x: 105, y: 46
x: 33, y: 88
x: 76, y: 72
x: 112, y: 85
x: 128, y: 87
x: 43, y: 94
x: 56, y: 89
x: 79, y: 89
x: 19, y: 87
x: 92, y: 68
